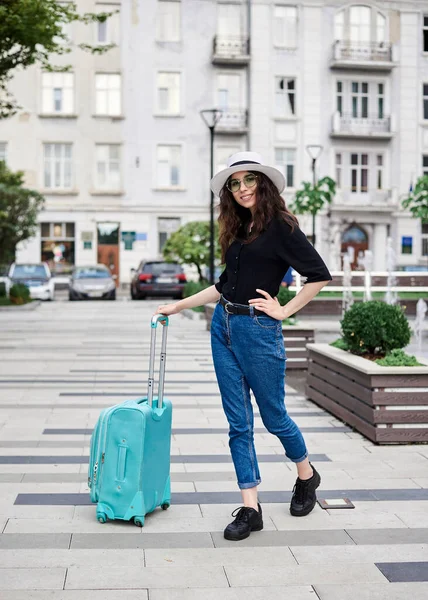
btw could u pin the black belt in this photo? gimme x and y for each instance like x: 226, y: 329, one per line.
x: 238, y: 309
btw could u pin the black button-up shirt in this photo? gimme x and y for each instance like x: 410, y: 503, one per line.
x: 263, y: 263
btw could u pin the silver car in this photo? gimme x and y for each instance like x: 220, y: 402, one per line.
x: 92, y: 282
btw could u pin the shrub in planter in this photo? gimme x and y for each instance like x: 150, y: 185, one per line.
x: 398, y: 358
x: 19, y: 294
x: 193, y: 287
x: 285, y: 295
x: 2, y: 289
x: 375, y: 328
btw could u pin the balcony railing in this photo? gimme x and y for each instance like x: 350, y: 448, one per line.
x: 231, y: 49
x: 362, y: 52
x: 348, y: 124
x: 233, y: 121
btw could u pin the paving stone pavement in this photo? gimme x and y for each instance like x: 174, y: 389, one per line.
x: 61, y: 364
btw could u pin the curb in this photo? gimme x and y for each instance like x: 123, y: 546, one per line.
x: 191, y: 314
x: 30, y: 306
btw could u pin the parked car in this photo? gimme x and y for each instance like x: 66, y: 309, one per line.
x: 87, y: 283
x: 37, y: 277
x: 158, y: 278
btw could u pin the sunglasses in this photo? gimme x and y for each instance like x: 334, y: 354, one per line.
x: 234, y: 185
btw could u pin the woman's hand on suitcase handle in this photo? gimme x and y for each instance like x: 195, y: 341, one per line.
x: 167, y: 310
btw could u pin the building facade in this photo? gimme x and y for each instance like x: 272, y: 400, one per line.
x: 120, y: 150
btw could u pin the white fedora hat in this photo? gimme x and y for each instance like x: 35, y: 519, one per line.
x: 246, y: 161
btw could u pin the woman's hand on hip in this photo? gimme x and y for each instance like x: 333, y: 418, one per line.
x: 268, y: 305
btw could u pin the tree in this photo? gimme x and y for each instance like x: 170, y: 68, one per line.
x: 311, y: 199
x: 191, y: 245
x: 30, y: 32
x: 417, y: 201
x: 19, y: 208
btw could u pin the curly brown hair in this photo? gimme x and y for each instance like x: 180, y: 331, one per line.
x: 232, y: 216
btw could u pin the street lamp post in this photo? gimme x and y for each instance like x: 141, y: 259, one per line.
x: 314, y: 152
x: 211, y: 117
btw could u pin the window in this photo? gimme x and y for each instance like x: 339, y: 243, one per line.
x: 406, y: 245
x: 57, y: 166
x: 168, y: 93
x: 425, y: 99
x: 425, y: 33
x: 166, y: 227
x: 339, y: 25
x: 229, y: 22
x: 108, y: 94
x: 379, y: 171
x: 424, y: 164
x: 57, y: 93
x: 380, y: 100
x: 3, y: 151
x: 339, y: 97
x: 359, y: 23
x: 168, y: 166
x: 424, y: 231
x: 359, y: 173
x: 360, y: 99
x: 285, y: 161
x: 380, y: 28
x: 108, y: 167
x: 222, y: 154
x: 285, y: 26
x: 339, y: 170
x: 285, y: 97
x: 107, y: 32
x: 57, y: 246
x: 168, y: 21
x: 228, y: 91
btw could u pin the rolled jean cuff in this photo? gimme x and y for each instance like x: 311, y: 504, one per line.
x: 246, y: 486
x: 298, y: 460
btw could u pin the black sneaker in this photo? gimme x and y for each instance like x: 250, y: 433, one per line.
x: 246, y: 520
x: 304, y: 496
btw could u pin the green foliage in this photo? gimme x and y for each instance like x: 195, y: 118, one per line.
x: 2, y: 289
x: 340, y: 343
x: 19, y: 294
x: 30, y: 32
x: 191, y: 245
x: 193, y: 287
x: 417, y: 201
x: 398, y: 358
x: 375, y: 327
x: 311, y: 199
x: 19, y: 208
x: 285, y: 295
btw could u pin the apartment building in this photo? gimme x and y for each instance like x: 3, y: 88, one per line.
x: 120, y: 150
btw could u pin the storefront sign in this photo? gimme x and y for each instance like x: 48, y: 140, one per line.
x: 141, y: 237
x: 128, y: 237
x: 87, y: 245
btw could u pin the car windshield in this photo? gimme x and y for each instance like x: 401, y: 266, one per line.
x: 28, y: 271
x: 92, y: 273
x: 162, y: 268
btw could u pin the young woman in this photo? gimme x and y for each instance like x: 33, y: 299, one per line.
x: 260, y: 239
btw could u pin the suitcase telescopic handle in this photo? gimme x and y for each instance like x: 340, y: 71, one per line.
x: 164, y: 320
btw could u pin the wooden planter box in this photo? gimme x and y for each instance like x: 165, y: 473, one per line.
x: 377, y: 401
x: 295, y: 339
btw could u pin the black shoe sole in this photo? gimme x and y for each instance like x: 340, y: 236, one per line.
x: 311, y: 507
x: 243, y: 536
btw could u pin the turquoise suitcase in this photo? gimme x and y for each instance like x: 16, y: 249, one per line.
x: 129, y: 463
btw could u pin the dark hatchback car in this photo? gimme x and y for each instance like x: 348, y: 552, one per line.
x: 158, y: 278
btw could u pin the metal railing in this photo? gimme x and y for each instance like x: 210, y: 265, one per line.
x: 231, y: 47
x: 348, y: 123
x: 362, y: 51
x: 233, y: 120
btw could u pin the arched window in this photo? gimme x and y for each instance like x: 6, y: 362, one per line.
x: 359, y: 24
x: 355, y: 235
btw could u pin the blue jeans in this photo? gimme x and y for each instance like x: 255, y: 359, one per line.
x: 248, y: 353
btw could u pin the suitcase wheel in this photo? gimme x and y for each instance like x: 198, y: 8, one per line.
x: 102, y: 517
x: 139, y: 521
x: 165, y: 505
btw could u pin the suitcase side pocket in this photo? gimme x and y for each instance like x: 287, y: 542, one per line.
x: 121, y: 463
